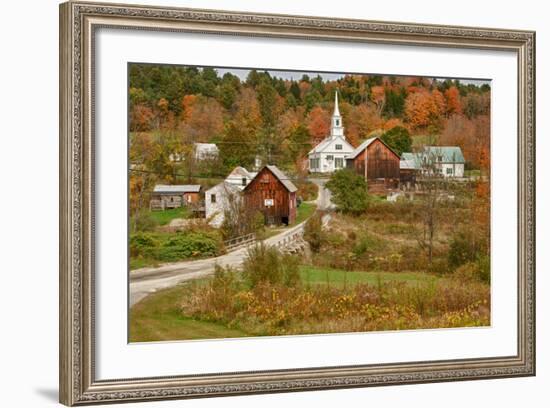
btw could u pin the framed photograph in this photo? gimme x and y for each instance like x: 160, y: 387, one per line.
x: 256, y: 203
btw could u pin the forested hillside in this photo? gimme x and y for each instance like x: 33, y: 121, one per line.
x: 280, y: 120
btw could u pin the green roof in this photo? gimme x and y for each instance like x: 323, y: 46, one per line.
x: 448, y: 154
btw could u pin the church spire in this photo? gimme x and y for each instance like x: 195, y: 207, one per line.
x: 336, y: 128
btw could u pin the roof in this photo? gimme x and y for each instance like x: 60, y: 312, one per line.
x: 326, y: 142
x: 227, y: 186
x: 289, y: 185
x: 410, y: 161
x: 450, y: 154
x: 177, y: 189
x: 206, y: 146
x: 366, y: 144
x: 239, y: 171
x: 361, y: 147
x: 282, y: 177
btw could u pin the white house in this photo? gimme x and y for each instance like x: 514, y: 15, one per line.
x: 218, y: 199
x: 330, y: 155
x: 240, y: 177
x: 204, y: 151
x: 448, y: 161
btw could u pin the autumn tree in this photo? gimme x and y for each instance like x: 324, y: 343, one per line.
x: 318, y: 123
x: 452, y: 98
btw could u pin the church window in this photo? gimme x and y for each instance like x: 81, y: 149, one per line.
x: 338, y: 147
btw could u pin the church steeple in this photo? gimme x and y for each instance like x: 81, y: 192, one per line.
x: 336, y: 128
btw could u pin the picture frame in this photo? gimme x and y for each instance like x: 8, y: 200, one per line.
x: 79, y: 22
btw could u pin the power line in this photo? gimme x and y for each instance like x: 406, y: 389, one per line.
x: 213, y: 176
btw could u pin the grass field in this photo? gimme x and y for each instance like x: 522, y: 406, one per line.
x: 304, y: 211
x: 339, y: 278
x: 164, y: 217
x: 158, y: 318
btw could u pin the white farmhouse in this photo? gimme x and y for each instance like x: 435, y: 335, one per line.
x: 330, y: 155
x: 448, y: 160
x: 240, y: 177
x: 218, y: 199
x: 206, y: 151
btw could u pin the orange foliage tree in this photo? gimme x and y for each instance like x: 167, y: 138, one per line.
x: 318, y: 124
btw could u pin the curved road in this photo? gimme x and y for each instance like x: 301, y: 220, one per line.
x: 145, y: 281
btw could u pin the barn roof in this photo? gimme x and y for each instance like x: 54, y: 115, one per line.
x: 450, y: 154
x: 282, y: 177
x: 177, y: 189
x: 366, y: 144
x: 361, y: 147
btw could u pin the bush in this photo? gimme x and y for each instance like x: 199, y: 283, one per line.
x: 479, y: 270
x: 188, y: 245
x: 467, y: 245
x: 265, y: 264
x: 307, y: 190
x: 313, y: 232
x: 144, y: 221
x: 142, y: 244
x: 349, y: 191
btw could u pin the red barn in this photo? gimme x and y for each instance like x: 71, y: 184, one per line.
x: 273, y: 194
x: 377, y: 162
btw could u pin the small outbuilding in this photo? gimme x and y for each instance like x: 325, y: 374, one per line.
x: 377, y: 162
x: 273, y: 194
x: 174, y: 196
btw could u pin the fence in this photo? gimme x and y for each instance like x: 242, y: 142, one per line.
x: 233, y: 243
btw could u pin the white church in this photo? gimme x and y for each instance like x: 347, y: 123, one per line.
x: 330, y: 155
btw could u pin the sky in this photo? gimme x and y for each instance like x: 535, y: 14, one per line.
x: 296, y: 75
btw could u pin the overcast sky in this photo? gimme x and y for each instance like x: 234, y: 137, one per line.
x: 296, y: 75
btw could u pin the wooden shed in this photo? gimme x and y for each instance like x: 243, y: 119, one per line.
x: 174, y: 196
x: 377, y: 162
x: 273, y: 194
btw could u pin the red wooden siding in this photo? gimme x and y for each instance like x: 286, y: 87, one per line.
x: 382, y: 162
x: 266, y: 186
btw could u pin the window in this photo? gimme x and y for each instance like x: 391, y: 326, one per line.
x: 449, y: 171
x: 440, y: 158
x: 337, y: 122
x: 339, y: 162
x: 212, y: 198
x: 338, y: 147
x: 243, y: 181
x: 330, y: 157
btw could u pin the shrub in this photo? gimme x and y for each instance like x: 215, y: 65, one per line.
x: 349, y: 191
x: 467, y: 245
x: 479, y: 270
x: 265, y: 264
x: 188, y: 245
x: 142, y: 244
x: 313, y: 232
x: 144, y: 221
x: 307, y: 190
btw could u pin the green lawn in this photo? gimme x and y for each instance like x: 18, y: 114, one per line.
x: 163, y: 217
x: 304, y: 211
x: 157, y: 318
x: 319, y: 275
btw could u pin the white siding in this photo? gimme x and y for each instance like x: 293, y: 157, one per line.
x: 214, y: 211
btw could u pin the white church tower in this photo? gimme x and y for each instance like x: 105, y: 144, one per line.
x: 336, y: 128
x: 330, y: 155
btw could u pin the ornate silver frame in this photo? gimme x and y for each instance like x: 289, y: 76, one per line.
x: 78, y: 21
